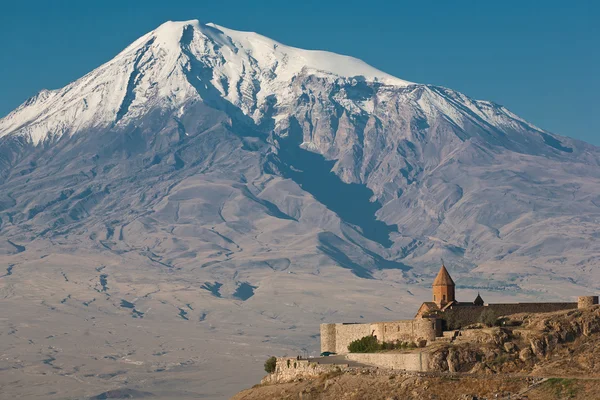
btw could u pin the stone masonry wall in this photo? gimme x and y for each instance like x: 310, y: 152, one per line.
x: 288, y: 369
x: 516, y: 308
x: 470, y: 314
x: 409, y: 361
x: 347, y: 333
x: 336, y: 337
x: 406, y: 331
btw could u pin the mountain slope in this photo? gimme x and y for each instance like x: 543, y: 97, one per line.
x: 204, y: 172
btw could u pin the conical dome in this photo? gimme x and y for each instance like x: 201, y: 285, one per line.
x: 478, y: 300
x: 443, y: 278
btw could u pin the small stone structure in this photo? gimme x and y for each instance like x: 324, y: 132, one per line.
x: 586, y: 301
x: 431, y: 318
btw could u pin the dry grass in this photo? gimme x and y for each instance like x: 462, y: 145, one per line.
x: 383, y: 387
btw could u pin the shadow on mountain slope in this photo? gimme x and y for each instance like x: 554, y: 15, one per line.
x: 350, y: 201
x: 340, y: 251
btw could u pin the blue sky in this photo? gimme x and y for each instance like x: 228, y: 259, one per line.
x: 541, y: 59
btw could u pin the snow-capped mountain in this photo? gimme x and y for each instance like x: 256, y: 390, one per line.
x: 402, y: 173
x: 172, y: 66
x: 203, y: 173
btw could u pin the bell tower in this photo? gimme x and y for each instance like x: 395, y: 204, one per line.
x: 443, y: 288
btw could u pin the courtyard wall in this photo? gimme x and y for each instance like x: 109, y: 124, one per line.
x: 335, y: 338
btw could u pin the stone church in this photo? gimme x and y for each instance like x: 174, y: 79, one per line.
x: 444, y: 297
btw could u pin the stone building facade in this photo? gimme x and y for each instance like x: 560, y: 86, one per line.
x: 433, y: 317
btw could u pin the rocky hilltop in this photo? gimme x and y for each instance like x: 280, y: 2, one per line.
x: 542, y: 356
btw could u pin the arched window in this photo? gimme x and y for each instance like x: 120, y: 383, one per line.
x: 434, y: 297
x: 444, y: 298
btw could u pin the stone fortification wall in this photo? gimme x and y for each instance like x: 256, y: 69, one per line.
x: 516, y: 308
x: 347, y: 333
x: 407, y: 330
x: 467, y: 315
x: 405, y: 361
x: 288, y: 369
x: 335, y: 338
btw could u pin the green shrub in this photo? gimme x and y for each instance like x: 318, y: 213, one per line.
x: 404, y: 345
x: 562, y: 388
x: 499, y: 360
x: 387, y: 346
x: 488, y: 317
x: 270, y: 364
x: 367, y: 344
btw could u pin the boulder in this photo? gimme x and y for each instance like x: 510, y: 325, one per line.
x: 537, y: 347
x: 526, y: 354
x: 509, y: 347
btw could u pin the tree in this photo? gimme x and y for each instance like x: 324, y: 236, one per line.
x: 367, y: 344
x: 270, y: 364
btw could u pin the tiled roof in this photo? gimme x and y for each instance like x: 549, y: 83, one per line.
x: 443, y: 278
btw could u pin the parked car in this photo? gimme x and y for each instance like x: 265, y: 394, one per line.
x: 327, y: 354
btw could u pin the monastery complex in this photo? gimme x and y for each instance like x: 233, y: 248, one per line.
x: 433, y: 318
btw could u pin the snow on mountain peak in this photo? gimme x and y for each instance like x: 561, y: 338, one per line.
x: 154, y: 71
x: 265, y: 51
x: 185, y: 61
x: 262, y: 49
